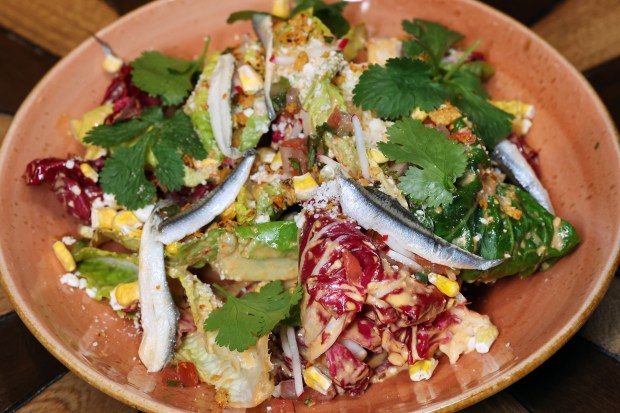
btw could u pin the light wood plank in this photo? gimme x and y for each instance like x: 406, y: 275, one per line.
x: 602, y: 327
x: 586, y: 32
x: 5, y: 304
x: 57, y: 26
x: 71, y: 394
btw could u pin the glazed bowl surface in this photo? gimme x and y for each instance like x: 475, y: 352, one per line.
x: 580, y: 165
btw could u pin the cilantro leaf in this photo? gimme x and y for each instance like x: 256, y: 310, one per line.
x: 123, y: 176
x: 179, y: 129
x: 164, y: 76
x: 394, y: 90
x: 242, y: 321
x: 112, y: 135
x: 432, y: 38
x: 329, y: 14
x: 169, y: 169
x: 437, y: 161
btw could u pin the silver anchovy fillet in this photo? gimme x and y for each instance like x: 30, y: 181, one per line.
x: 159, y: 315
x: 263, y: 26
x: 210, y: 206
x: 512, y: 162
x: 220, y: 85
x: 386, y: 216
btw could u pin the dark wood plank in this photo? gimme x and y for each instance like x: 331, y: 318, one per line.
x: 502, y: 402
x: 21, y: 65
x: 527, y: 12
x: 26, y: 365
x: 606, y: 81
x: 125, y: 6
x: 72, y: 394
x: 578, y: 378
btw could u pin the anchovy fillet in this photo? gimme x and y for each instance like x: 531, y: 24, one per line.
x: 210, y: 206
x: 220, y: 111
x: 512, y: 162
x: 263, y: 26
x: 159, y: 315
x: 387, y: 217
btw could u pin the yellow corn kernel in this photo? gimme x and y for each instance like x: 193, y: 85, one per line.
x: 280, y: 8
x: 251, y: 82
x: 124, y: 221
x: 522, y: 112
x: 94, y: 152
x: 89, y: 172
x: 64, y: 256
x: 127, y: 293
x: 316, y: 379
x: 485, y: 337
x: 173, y: 248
x: 103, y: 218
x: 419, y: 114
x: 422, y: 369
x: 266, y: 155
x: 444, y: 284
x: 135, y: 233
x: 276, y: 162
x: 304, y: 185
x: 378, y: 156
x: 112, y: 64
x: 86, y: 231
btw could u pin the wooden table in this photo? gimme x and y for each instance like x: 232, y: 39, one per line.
x: 584, y: 376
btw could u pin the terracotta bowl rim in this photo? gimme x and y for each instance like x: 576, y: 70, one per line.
x: 519, y: 370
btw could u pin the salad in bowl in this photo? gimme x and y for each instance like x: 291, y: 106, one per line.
x: 294, y: 216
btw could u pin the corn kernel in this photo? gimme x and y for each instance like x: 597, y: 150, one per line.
x: 444, y: 284
x: 317, y: 380
x: 251, y: 82
x: 280, y: 8
x: 419, y: 114
x: 173, y: 248
x: 112, y: 64
x: 103, y: 218
x: 422, y: 369
x: 485, y: 337
x: 522, y: 112
x: 266, y: 155
x: 127, y: 293
x: 276, y: 162
x: 64, y: 256
x: 124, y: 221
x: 89, y: 172
x: 94, y: 152
x: 378, y: 156
x: 304, y: 185
x: 86, y: 231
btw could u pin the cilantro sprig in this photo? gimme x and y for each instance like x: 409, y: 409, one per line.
x: 437, y: 161
x: 242, y: 321
x: 167, y: 138
x: 167, y: 77
x: 421, y: 80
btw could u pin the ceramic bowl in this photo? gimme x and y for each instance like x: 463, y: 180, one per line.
x: 580, y: 165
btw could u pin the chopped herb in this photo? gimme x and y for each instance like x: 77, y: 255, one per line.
x: 423, y: 278
x: 242, y: 321
x: 437, y: 161
x: 172, y: 383
x: 295, y: 164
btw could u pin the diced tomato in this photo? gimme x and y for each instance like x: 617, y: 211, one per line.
x: 281, y: 406
x: 294, y: 149
x: 184, y: 374
x: 464, y: 136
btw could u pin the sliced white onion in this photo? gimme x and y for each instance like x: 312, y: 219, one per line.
x: 296, y: 363
x: 297, y: 127
x: 284, y: 60
x: 358, y: 351
x: 286, y: 349
x: 305, y: 120
x: 396, y: 256
x: 361, y: 147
